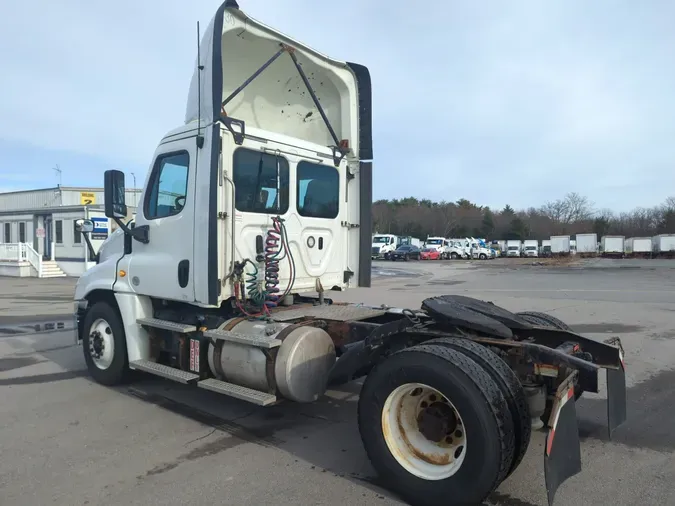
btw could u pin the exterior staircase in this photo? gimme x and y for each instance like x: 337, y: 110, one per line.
x: 50, y: 269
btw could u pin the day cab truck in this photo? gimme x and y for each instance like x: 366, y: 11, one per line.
x: 253, y: 211
x: 383, y: 245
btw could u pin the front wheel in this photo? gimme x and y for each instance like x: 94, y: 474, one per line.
x: 432, y: 423
x: 454, y: 256
x: 483, y: 256
x: 104, y: 344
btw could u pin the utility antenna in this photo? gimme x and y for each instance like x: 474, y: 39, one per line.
x: 58, y: 173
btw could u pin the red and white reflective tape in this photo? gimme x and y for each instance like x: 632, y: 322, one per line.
x: 551, y: 434
x: 192, y: 354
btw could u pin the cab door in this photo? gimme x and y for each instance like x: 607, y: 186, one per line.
x: 164, y: 267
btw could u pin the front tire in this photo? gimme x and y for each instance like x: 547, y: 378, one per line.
x: 483, y: 256
x: 432, y: 423
x: 104, y: 344
x: 454, y: 256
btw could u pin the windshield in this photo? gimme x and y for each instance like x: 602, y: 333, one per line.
x: 381, y: 239
x: 428, y: 250
x: 404, y: 248
x: 435, y: 241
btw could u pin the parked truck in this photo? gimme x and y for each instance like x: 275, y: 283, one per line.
x: 560, y: 245
x: 545, y: 248
x: 663, y: 245
x: 383, y: 244
x: 613, y: 246
x: 638, y: 247
x: 220, y: 283
x: 514, y: 248
x: 587, y: 245
x: 531, y: 248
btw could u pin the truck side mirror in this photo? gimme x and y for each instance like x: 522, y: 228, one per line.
x: 115, y: 205
x: 84, y: 226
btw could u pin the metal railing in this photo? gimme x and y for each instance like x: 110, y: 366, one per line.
x: 21, y: 252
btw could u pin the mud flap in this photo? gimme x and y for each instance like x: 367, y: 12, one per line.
x: 562, y: 452
x: 616, y: 391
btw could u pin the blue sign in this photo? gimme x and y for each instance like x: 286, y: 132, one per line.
x: 100, y: 228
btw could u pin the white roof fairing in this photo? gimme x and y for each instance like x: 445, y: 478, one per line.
x: 234, y: 46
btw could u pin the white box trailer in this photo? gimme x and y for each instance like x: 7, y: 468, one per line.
x: 613, y: 245
x: 664, y: 245
x: 639, y: 246
x: 587, y: 244
x: 560, y: 244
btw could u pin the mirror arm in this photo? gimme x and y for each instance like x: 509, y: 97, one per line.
x: 92, y: 254
x: 138, y: 233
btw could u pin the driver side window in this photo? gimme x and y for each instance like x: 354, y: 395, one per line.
x: 168, y: 186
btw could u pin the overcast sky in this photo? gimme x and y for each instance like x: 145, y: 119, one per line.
x: 498, y: 102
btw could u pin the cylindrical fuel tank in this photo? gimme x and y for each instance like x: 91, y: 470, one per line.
x: 298, y: 369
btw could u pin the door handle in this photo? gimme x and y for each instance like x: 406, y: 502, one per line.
x: 183, y: 273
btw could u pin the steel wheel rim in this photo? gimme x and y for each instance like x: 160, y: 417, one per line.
x: 424, y: 431
x: 101, y: 344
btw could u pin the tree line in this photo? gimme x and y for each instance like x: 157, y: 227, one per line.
x: 573, y: 214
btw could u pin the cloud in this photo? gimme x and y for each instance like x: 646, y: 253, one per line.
x: 516, y: 102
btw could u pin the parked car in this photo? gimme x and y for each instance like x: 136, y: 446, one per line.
x: 430, y: 254
x: 405, y: 252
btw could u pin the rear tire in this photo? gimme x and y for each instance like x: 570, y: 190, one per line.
x: 105, y: 346
x: 429, y: 476
x: 508, y: 383
x: 543, y: 319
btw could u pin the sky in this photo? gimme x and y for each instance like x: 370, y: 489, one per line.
x: 497, y: 102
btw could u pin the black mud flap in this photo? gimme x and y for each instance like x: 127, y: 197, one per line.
x: 616, y: 391
x: 562, y: 452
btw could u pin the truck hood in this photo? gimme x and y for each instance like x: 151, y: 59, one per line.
x: 235, y: 46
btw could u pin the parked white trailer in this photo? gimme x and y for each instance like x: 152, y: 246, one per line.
x: 613, y: 245
x: 664, y: 245
x: 587, y: 244
x: 560, y: 244
x: 639, y: 246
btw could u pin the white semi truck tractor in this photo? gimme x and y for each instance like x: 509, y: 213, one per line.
x: 258, y: 206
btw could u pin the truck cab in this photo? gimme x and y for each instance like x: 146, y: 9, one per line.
x: 513, y: 248
x: 383, y: 245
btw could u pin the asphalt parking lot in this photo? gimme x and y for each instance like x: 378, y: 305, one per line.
x: 68, y: 441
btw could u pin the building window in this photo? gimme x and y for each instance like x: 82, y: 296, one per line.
x: 22, y: 231
x: 58, y: 231
x: 168, y: 186
x: 260, y: 182
x: 8, y: 232
x: 318, y: 190
x: 77, y: 236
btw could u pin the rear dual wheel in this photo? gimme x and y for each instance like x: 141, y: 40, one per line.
x: 436, y: 426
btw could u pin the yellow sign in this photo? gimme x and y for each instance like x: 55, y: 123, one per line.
x: 87, y: 198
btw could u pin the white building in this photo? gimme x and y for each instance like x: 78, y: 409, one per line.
x: 37, y: 229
